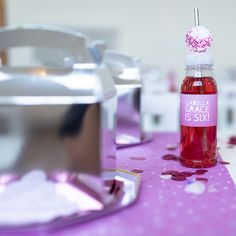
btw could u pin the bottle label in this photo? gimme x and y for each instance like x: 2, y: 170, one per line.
x: 198, y: 110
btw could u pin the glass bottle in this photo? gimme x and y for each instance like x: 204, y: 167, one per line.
x: 198, y: 113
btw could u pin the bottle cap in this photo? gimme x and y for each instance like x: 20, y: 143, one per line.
x: 195, y: 59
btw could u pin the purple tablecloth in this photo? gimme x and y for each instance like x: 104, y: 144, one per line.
x: 163, y: 207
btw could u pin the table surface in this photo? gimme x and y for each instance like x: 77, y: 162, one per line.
x: 163, y: 207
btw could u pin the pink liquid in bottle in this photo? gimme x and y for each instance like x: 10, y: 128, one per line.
x: 198, y: 130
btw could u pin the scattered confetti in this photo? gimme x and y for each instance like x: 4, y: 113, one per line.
x: 201, y: 171
x: 169, y: 157
x: 170, y: 172
x: 232, y: 140
x: 178, y: 178
x: 224, y: 162
x: 187, y: 174
x: 170, y: 196
x: 195, y: 188
x: 137, y: 171
x: 138, y: 158
x: 181, y: 176
x: 165, y: 176
x: 171, y: 146
x: 202, y: 179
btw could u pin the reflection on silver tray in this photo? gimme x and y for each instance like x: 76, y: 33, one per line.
x: 122, y: 186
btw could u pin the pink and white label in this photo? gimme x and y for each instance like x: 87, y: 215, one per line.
x: 198, y: 110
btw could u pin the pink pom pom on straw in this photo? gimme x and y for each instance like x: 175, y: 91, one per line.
x: 198, y: 38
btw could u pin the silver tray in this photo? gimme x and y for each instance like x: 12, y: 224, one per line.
x: 125, y: 187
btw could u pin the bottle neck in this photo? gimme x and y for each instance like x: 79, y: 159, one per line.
x: 199, y: 71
